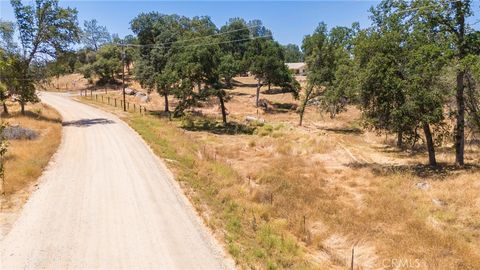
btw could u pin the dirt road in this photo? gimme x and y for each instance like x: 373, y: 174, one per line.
x: 106, y: 201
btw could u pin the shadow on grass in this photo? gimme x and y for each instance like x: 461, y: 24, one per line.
x: 239, y: 94
x: 276, y: 107
x: 276, y: 91
x: 33, y: 115
x: 418, y: 150
x: 88, y: 122
x: 388, y: 149
x: 238, y: 83
x: 275, y: 111
x: 421, y: 170
x: 285, y: 106
x: 161, y: 114
x: 231, y: 128
x: 344, y: 130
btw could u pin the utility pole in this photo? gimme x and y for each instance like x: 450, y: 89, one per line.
x: 123, y: 77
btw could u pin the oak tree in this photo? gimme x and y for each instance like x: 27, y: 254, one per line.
x: 45, y: 28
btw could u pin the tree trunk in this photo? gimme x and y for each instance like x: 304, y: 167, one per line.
x: 415, y: 138
x: 165, y: 95
x: 222, y: 106
x: 459, y: 133
x: 304, y: 104
x: 5, y: 108
x: 302, y: 111
x: 199, y: 86
x: 460, y: 125
x: 259, y: 85
x: 22, y: 106
x: 269, y: 87
x: 400, y: 139
x: 430, y: 146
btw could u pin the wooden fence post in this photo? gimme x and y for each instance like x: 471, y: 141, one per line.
x: 353, y: 254
x: 304, y: 224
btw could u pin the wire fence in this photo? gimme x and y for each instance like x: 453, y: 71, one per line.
x: 113, y: 101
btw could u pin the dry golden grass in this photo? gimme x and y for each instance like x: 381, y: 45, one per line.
x: 71, y: 82
x: 324, y: 188
x: 26, y: 159
x: 374, y: 205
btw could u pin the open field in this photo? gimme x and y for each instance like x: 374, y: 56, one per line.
x: 71, y: 82
x: 26, y: 159
x: 283, y: 196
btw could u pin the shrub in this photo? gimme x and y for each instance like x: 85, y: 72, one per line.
x: 38, y: 111
x: 264, y: 130
x: 269, y: 130
x: 187, y: 122
x: 19, y: 133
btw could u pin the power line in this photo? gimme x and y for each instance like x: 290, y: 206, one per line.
x: 197, y: 38
x: 224, y: 42
x: 197, y: 45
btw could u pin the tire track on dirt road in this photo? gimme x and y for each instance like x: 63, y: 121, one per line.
x: 106, y: 201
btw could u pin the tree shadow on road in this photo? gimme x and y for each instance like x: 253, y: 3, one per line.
x: 88, y: 122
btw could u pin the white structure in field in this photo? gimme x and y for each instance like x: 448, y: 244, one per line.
x: 298, y: 68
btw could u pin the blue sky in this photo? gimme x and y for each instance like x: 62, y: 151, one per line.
x: 289, y: 21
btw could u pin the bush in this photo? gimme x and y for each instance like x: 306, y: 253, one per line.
x: 188, y: 122
x: 38, y: 111
x: 19, y: 133
x: 269, y: 130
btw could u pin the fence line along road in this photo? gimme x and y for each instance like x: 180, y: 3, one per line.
x: 102, y: 98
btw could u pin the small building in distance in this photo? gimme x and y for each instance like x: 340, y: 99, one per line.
x: 298, y: 68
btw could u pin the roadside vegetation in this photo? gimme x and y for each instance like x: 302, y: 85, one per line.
x: 32, y: 139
